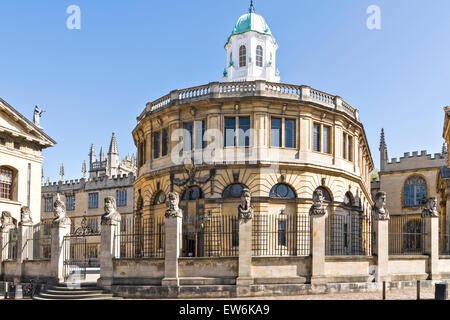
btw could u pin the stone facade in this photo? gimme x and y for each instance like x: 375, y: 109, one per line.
x: 21, y: 145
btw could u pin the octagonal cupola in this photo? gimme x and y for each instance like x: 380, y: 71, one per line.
x: 251, y: 50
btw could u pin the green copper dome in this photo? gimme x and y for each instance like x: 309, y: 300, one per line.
x: 250, y: 22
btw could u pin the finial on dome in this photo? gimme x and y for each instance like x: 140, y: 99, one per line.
x: 252, y: 8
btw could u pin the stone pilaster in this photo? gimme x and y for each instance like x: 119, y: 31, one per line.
x: 59, y: 231
x: 318, y: 249
x: 172, y: 251
x: 109, y: 249
x: 432, y: 246
x: 24, y: 249
x: 381, y: 249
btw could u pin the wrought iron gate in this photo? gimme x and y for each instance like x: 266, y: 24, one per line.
x: 81, y: 250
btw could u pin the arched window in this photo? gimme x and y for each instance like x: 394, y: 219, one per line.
x: 282, y: 190
x: 259, y: 56
x: 193, y: 193
x: 325, y: 193
x: 415, y: 192
x: 6, y: 183
x: 160, y: 198
x: 242, y: 56
x: 348, y: 200
x: 233, y: 191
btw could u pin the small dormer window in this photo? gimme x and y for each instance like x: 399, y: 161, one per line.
x: 259, y: 56
x: 242, y: 56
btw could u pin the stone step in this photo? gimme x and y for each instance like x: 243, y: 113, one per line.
x: 73, y: 292
x: 72, y: 289
x: 95, y: 298
x: 49, y: 296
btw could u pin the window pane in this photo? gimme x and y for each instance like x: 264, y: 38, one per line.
x: 350, y: 148
x: 275, y: 132
x: 242, y: 56
x: 244, y: 131
x: 316, y: 138
x: 326, y: 139
x: 344, y: 146
x: 199, y: 133
x: 156, y: 144
x: 259, y: 56
x: 230, y: 128
x: 289, y: 133
x: 165, y: 142
x: 406, y: 194
x: 187, y: 139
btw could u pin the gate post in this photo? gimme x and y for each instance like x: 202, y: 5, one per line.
x: 110, y: 243
x: 318, y: 215
x: 24, y: 244
x: 431, y: 221
x: 60, y: 229
x: 173, y: 238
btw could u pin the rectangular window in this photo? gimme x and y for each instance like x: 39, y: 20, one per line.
x: 230, y: 132
x: 350, y: 148
x: 199, y: 134
x: 347, y: 147
x: 6, y: 183
x: 344, y: 145
x: 244, y: 131
x: 121, y: 198
x: 92, y: 223
x: 48, y: 204
x: 46, y: 252
x: 93, y: 200
x: 187, y: 137
x: 282, y: 233
x: 156, y: 144
x: 275, y: 132
x: 70, y: 202
x: 289, y: 133
x: 326, y: 139
x: 316, y: 137
x: 165, y: 142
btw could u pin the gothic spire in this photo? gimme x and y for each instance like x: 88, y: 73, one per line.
x: 83, y: 169
x: 383, y: 151
x: 382, y: 140
x: 113, y: 145
x: 102, y: 155
x: 92, y: 154
x: 61, y: 173
x: 252, y: 8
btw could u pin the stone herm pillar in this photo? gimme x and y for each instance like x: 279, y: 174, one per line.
x: 24, y: 242
x: 173, y: 225
x: 8, y: 224
x: 318, y: 216
x: 381, y: 217
x: 245, y: 215
x: 431, y: 222
x: 60, y: 229
x: 109, y: 243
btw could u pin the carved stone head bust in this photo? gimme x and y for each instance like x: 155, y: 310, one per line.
x: 379, y: 211
x: 431, y: 208
x: 173, y: 210
x: 111, y: 215
x: 245, y: 210
x: 25, y: 216
x: 317, y: 209
x: 59, y: 211
x: 7, y: 221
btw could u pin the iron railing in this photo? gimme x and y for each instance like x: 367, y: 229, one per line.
x: 37, y: 245
x: 348, y: 235
x: 210, y: 236
x: 142, y: 237
x: 9, y: 243
x: 406, y: 235
x: 281, y: 235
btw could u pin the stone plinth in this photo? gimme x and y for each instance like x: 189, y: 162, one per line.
x: 172, y: 251
x: 24, y: 249
x: 381, y: 249
x: 245, y: 254
x: 59, y: 231
x: 318, y: 249
x: 109, y: 249
x: 432, y: 246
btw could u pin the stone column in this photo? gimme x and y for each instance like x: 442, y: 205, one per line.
x: 381, y: 249
x: 172, y: 251
x: 109, y: 249
x: 59, y: 231
x: 432, y: 245
x: 318, y: 249
x: 24, y: 247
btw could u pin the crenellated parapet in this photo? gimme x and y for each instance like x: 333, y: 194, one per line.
x: 416, y: 161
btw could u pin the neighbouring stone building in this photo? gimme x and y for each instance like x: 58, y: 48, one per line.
x: 84, y: 198
x: 21, y: 145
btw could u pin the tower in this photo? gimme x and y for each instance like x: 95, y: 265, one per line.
x: 113, y: 157
x: 383, y: 151
x: 251, y: 50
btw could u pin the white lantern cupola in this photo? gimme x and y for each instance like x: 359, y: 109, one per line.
x: 251, y: 50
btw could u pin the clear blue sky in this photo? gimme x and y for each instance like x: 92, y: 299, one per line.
x: 96, y: 80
